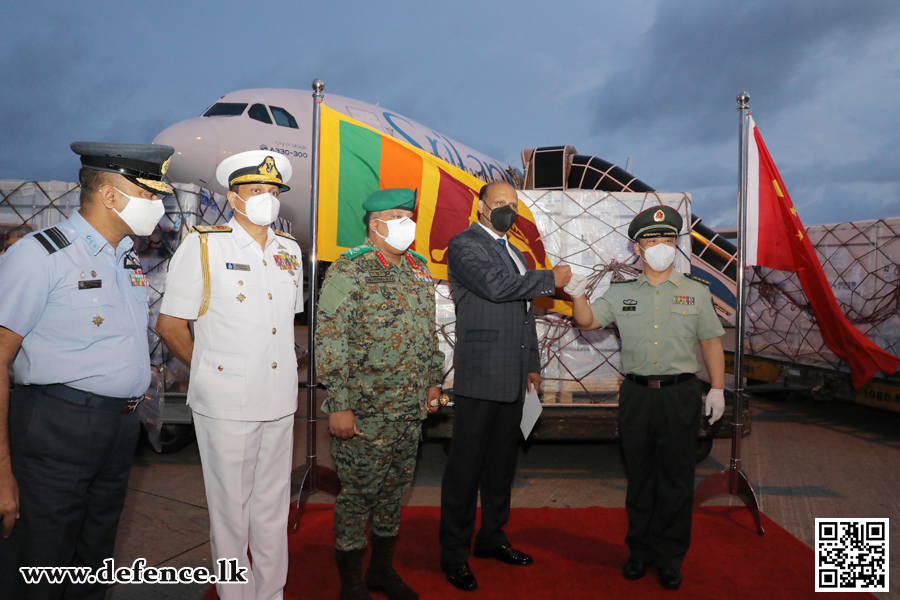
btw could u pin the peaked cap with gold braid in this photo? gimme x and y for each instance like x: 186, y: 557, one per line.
x: 254, y: 166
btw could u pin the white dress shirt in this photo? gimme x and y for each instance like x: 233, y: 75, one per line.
x: 244, y: 366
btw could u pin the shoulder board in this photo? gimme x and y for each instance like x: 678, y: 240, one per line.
x: 358, y: 251
x: 284, y: 235
x: 52, y: 239
x: 623, y: 281
x: 212, y: 228
x: 695, y: 278
x: 419, y: 256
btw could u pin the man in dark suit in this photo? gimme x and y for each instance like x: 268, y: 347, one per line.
x: 496, y: 356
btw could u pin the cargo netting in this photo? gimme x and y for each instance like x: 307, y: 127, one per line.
x: 861, y: 261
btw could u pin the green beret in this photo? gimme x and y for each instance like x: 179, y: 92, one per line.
x: 659, y: 221
x: 392, y: 198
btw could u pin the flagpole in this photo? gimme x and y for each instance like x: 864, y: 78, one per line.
x: 316, y: 478
x: 732, y: 480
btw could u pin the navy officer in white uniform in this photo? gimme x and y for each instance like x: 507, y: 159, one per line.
x: 73, y: 322
x: 241, y: 284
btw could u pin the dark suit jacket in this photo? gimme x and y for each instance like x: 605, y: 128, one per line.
x: 496, y: 340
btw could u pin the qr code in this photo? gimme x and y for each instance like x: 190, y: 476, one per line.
x: 851, y: 555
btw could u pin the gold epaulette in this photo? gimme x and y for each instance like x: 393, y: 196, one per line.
x: 212, y: 228
x: 695, y: 278
x: 284, y: 235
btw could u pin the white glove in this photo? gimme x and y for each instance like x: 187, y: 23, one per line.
x: 576, y: 285
x: 714, y: 405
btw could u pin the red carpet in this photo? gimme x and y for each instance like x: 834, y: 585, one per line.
x: 578, y: 553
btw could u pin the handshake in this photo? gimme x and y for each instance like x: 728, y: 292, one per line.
x: 572, y: 283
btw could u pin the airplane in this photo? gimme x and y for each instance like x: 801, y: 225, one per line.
x: 280, y: 120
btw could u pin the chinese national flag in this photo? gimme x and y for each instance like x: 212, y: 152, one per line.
x: 776, y: 239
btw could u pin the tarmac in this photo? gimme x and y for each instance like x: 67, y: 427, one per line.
x: 804, y: 459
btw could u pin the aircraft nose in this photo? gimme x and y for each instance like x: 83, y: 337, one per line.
x: 196, y: 147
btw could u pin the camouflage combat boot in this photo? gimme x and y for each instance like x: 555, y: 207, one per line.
x: 349, y: 563
x: 381, y: 576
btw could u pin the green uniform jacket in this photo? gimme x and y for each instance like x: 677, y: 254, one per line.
x: 376, y: 344
x: 659, y: 325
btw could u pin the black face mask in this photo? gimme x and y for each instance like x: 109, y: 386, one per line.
x: 503, y: 218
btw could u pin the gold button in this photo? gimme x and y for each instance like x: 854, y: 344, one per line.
x: 654, y: 362
x: 220, y: 368
x: 240, y: 283
x: 657, y: 291
x: 274, y: 365
x: 270, y: 296
x: 273, y: 331
x: 685, y: 312
x: 657, y: 308
x: 656, y: 326
x: 265, y: 264
x: 656, y: 343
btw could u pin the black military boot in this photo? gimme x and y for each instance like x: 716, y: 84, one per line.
x: 381, y: 576
x: 349, y: 563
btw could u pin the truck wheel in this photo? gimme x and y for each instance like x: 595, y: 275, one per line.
x: 174, y: 438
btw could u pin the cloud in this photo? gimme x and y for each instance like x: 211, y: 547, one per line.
x: 699, y: 55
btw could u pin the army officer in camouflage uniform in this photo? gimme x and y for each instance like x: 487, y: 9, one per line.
x: 662, y: 316
x: 377, y: 353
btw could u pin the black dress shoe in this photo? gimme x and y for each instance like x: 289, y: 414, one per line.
x: 669, y: 578
x: 460, y: 576
x: 507, y: 554
x: 634, y: 568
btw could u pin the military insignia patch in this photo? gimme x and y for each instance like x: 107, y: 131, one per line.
x: 629, y: 302
x: 659, y: 216
x: 687, y: 300
x: 286, y: 262
x: 421, y: 272
x: 132, y: 262
x: 138, y: 278
x: 97, y: 320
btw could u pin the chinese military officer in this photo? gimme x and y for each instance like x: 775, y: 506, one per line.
x: 241, y: 284
x: 73, y: 322
x: 662, y: 316
x: 377, y: 353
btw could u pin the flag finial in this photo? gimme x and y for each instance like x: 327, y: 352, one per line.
x: 742, y: 100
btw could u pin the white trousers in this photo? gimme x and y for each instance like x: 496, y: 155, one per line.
x: 247, y: 474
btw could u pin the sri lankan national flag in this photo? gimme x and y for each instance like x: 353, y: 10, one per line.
x: 357, y: 160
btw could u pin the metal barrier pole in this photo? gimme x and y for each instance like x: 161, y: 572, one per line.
x: 732, y: 480
x: 316, y: 478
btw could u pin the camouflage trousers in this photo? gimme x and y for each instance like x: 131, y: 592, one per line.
x: 376, y: 468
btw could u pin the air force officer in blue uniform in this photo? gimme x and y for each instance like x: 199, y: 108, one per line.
x: 73, y: 323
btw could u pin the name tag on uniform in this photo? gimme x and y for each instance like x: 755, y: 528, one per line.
x: 688, y: 300
x: 90, y: 284
x: 628, y: 309
x: 237, y: 267
x: 138, y: 278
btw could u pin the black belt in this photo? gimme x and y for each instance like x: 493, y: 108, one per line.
x: 659, y: 381
x: 64, y: 392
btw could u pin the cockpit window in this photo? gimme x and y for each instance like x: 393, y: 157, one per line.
x: 225, y: 109
x: 283, y: 117
x: 259, y: 113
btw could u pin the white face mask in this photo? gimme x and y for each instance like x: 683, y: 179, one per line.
x: 659, y: 257
x: 401, y: 233
x: 141, y: 214
x: 261, y: 209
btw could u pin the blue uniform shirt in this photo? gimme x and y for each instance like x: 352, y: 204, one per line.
x: 81, y: 312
